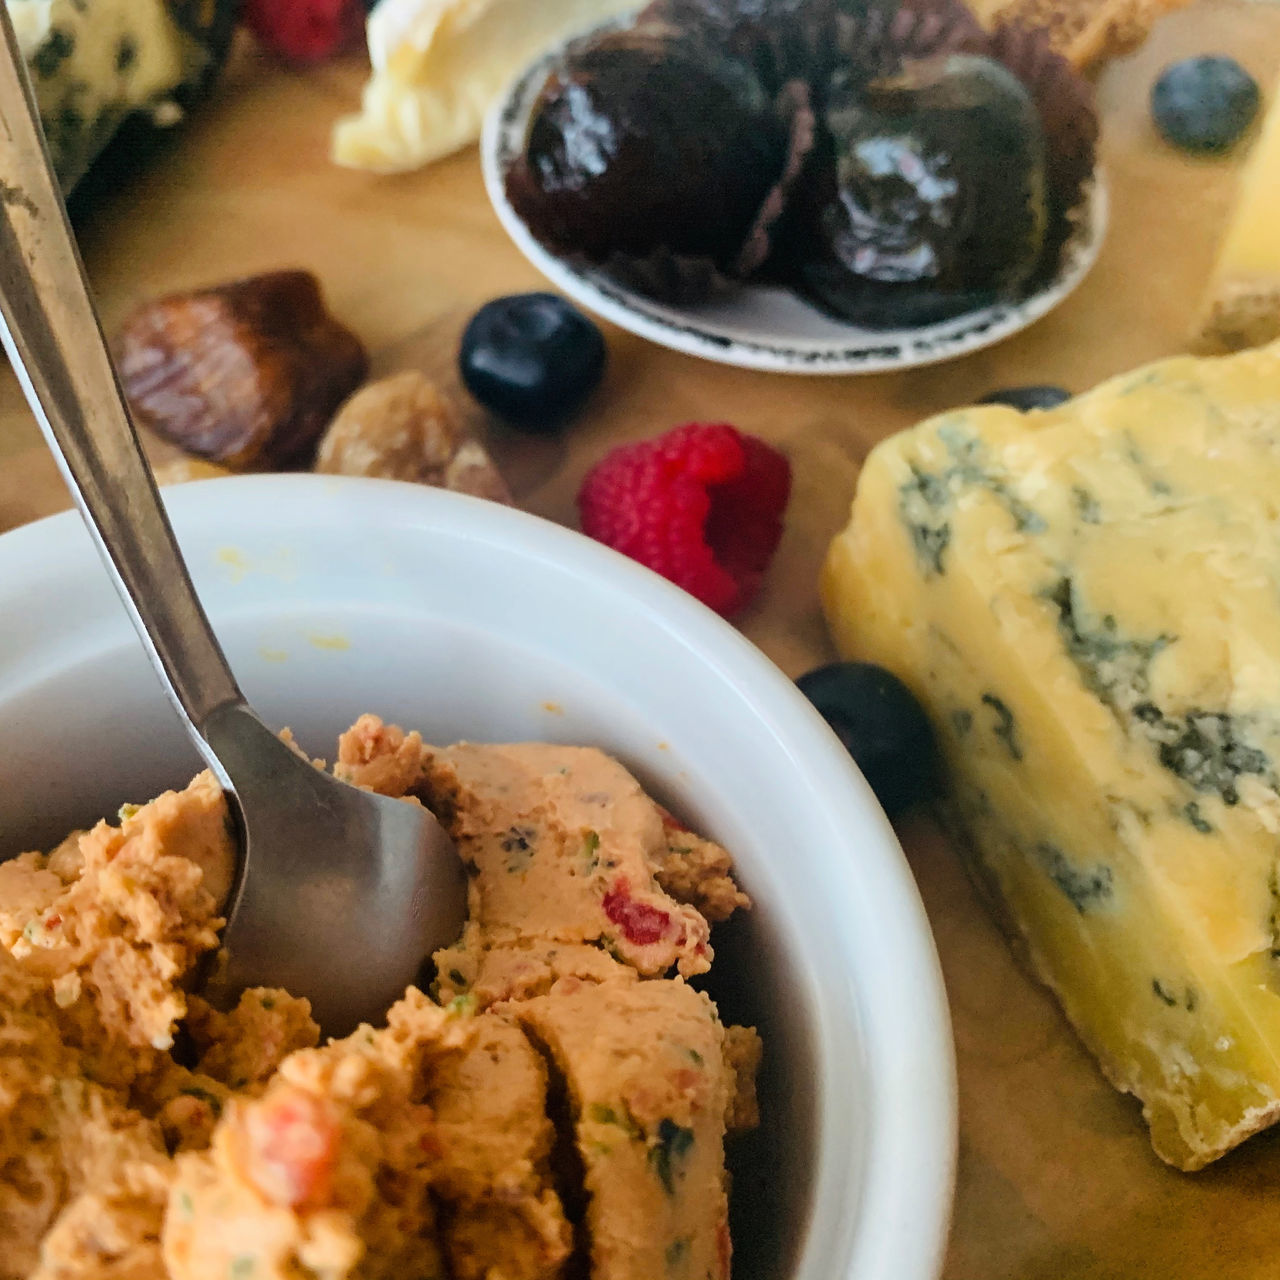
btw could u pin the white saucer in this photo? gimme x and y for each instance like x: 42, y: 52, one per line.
x: 758, y: 326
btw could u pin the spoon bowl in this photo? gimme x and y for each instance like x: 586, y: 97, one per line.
x: 339, y: 891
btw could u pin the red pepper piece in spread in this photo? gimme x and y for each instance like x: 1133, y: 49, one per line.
x: 292, y: 1148
x: 640, y: 922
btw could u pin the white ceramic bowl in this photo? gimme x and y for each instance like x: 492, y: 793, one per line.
x: 465, y: 619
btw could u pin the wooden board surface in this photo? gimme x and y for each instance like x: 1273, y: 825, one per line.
x: 1056, y: 1181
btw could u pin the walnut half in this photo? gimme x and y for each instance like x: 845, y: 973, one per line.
x: 245, y: 374
x: 403, y: 428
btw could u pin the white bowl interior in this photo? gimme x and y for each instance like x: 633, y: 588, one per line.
x: 465, y: 620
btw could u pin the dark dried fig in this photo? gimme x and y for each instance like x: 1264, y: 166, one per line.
x: 247, y: 374
x: 781, y: 40
x: 1065, y: 102
x: 645, y: 140
x: 936, y: 196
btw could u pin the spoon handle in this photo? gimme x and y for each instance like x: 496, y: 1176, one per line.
x: 51, y: 332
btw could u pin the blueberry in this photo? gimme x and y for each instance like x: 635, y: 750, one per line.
x: 1204, y: 104
x: 1033, y: 397
x: 885, y: 729
x: 532, y: 359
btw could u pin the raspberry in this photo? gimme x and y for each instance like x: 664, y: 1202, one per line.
x: 702, y: 505
x: 305, y: 30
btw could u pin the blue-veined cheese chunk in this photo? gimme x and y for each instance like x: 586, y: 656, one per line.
x: 1087, y: 600
x: 92, y: 63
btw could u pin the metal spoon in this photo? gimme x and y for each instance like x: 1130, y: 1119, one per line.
x: 340, y: 894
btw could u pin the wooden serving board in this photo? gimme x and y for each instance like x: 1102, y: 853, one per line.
x: 1056, y: 1180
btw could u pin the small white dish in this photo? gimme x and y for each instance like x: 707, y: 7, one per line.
x: 760, y: 326
x: 467, y: 619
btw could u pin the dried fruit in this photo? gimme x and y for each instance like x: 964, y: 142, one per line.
x: 702, y: 505
x: 403, y: 428
x: 894, y: 161
x: 1065, y: 103
x: 246, y: 374
x: 646, y: 141
x: 937, y: 194
x: 781, y: 40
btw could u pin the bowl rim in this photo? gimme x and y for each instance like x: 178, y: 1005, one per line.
x: 903, y: 1217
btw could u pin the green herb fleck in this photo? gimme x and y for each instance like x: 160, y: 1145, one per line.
x: 126, y: 53
x: 268, y: 1003
x: 695, y: 1056
x: 457, y: 977
x: 1165, y: 997
x: 517, y: 844
x: 671, y: 1146
x: 677, y: 1252
x: 603, y: 1114
x: 186, y: 1207
x: 242, y: 1267
x: 462, y: 1006
x: 211, y: 1100
x: 127, y: 811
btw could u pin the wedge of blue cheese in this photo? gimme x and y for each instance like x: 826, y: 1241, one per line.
x: 94, y: 62
x: 1088, y: 602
